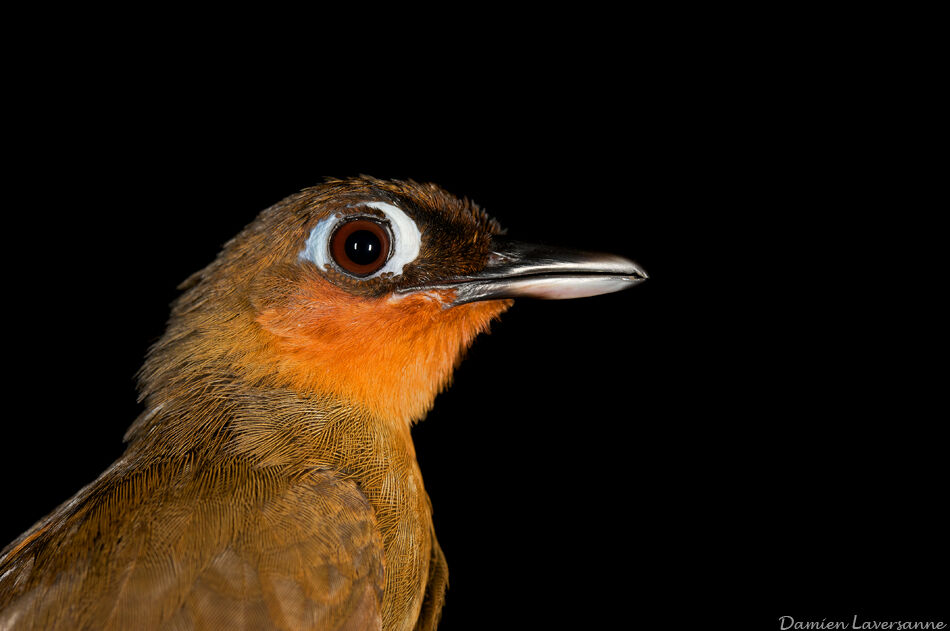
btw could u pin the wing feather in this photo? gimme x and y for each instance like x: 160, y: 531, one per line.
x: 191, y: 549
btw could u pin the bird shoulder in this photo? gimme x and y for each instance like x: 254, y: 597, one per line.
x: 183, y: 545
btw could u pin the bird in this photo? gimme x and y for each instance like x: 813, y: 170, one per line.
x: 271, y: 480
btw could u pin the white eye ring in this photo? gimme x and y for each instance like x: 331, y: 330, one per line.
x: 406, y: 240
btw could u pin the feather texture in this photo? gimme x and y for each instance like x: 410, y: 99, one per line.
x: 271, y: 482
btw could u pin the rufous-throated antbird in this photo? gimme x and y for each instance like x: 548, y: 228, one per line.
x: 271, y: 481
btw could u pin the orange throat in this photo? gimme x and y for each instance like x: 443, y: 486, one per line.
x: 389, y: 355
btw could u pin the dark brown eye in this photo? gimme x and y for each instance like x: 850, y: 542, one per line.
x: 360, y: 247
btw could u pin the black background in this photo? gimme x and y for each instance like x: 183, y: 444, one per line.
x: 744, y: 436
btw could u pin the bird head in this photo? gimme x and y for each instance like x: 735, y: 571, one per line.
x: 361, y: 291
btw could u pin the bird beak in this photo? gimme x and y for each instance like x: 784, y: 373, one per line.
x: 518, y: 270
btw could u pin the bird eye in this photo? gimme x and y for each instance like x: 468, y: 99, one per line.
x: 361, y: 246
x: 364, y: 246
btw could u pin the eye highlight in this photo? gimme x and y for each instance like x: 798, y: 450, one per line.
x: 361, y: 246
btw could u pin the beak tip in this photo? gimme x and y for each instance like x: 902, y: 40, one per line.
x: 634, y: 272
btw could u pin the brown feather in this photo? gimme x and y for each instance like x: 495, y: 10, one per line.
x: 271, y: 482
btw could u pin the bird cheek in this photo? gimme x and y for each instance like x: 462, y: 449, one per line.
x: 279, y: 287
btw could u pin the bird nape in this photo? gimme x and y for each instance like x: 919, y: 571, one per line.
x: 271, y: 480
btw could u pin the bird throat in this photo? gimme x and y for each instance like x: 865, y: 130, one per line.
x: 389, y: 355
